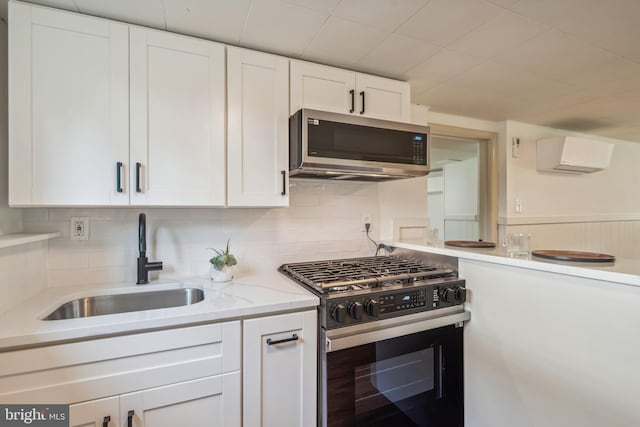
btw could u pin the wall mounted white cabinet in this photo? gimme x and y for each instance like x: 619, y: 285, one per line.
x: 320, y: 87
x: 68, y: 108
x: 258, y: 130
x: 177, y: 120
x: 280, y: 370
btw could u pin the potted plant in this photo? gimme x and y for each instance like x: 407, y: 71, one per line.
x: 222, y: 265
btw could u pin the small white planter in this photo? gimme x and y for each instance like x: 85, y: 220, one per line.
x: 219, y: 276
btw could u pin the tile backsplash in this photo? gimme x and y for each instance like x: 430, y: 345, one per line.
x: 323, y: 221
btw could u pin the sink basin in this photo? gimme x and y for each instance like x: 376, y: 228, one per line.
x: 124, y: 303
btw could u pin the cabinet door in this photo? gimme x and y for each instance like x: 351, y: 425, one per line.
x: 383, y: 98
x: 98, y: 413
x: 319, y: 87
x: 258, y: 132
x: 207, y: 402
x: 68, y: 108
x: 177, y: 120
x: 279, y: 382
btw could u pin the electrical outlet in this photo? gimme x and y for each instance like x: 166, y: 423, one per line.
x: 518, y: 206
x: 79, y: 228
x: 365, y: 219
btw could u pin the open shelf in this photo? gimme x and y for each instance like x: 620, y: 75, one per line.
x: 17, y: 239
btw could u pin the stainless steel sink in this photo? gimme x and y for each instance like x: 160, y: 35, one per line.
x: 124, y: 303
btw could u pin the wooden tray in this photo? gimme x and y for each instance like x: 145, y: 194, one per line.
x: 561, y: 255
x: 470, y: 244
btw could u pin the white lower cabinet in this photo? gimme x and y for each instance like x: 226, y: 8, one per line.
x: 205, y: 402
x: 99, y: 413
x: 176, y: 377
x: 280, y: 370
x: 261, y: 374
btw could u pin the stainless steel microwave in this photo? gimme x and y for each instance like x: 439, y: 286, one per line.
x: 348, y: 147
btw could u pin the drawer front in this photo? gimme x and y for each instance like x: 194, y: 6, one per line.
x: 104, y: 367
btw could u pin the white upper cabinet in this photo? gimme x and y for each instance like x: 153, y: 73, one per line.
x: 258, y: 132
x: 68, y: 109
x: 323, y: 88
x: 177, y: 120
x: 382, y: 98
x: 320, y: 87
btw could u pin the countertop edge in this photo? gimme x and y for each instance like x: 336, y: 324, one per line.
x: 549, y: 266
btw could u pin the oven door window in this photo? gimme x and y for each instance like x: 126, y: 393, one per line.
x: 413, y: 380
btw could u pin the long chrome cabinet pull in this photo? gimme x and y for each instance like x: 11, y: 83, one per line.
x: 119, y: 188
x: 294, y: 337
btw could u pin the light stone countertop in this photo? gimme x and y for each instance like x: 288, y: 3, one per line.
x: 624, y: 270
x: 246, y: 296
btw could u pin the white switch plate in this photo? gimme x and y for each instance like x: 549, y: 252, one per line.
x: 518, y: 206
x: 79, y: 228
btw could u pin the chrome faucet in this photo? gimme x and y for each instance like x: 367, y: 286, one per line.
x: 144, y: 266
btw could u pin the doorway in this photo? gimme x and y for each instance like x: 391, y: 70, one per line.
x: 462, y: 184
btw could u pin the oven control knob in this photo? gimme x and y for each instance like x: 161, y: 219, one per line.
x: 373, y: 308
x: 448, y: 295
x: 339, y: 313
x: 356, y: 310
x: 461, y: 294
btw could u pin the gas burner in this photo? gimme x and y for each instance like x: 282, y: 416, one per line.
x: 362, y: 274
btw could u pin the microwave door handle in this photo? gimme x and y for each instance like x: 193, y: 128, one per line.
x: 352, y: 92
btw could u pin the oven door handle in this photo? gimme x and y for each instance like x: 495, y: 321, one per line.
x: 340, y: 342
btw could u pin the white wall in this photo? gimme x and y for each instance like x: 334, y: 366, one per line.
x: 548, y: 350
x: 322, y: 222
x: 552, y: 197
x: 597, y: 212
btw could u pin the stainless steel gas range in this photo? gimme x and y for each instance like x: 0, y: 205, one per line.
x: 390, y: 340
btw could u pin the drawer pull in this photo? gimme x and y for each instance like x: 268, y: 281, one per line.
x: 105, y: 421
x: 130, y: 418
x: 294, y: 337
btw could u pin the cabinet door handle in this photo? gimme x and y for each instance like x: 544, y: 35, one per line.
x: 105, y: 421
x: 130, y: 418
x: 353, y: 100
x: 119, y: 188
x: 284, y: 183
x: 362, y: 95
x: 138, y: 188
x: 294, y: 337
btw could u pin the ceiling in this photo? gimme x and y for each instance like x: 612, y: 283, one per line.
x: 571, y: 64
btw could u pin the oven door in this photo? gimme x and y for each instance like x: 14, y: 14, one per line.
x: 407, y: 379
